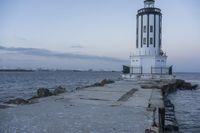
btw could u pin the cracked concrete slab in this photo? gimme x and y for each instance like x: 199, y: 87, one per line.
x: 89, y: 110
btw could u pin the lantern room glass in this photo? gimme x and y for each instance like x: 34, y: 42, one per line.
x: 149, y: 4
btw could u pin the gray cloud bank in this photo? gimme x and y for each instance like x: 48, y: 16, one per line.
x: 31, y: 58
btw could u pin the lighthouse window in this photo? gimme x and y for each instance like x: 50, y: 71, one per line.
x: 151, y: 40
x: 145, y: 29
x: 144, y: 40
x: 151, y: 28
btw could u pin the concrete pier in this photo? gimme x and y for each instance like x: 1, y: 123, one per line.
x: 122, y: 107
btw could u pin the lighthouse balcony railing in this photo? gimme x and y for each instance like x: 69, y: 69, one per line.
x: 154, y: 70
x: 144, y: 10
x: 161, y: 70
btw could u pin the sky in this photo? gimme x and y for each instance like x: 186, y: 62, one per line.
x: 104, y: 30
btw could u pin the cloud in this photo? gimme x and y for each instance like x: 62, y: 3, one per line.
x: 44, y: 52
x: 42, y: 58
x: 77, y: 47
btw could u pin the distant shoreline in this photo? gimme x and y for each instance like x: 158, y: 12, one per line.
x: 15, y: 70
x: 46, y: 70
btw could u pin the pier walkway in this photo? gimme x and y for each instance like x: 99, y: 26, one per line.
x: 121, y: 107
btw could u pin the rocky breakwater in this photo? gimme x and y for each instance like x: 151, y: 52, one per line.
x: 102, y: 83
x: 45, y: 92
x: 98, y: 84
x: 170, y: 122
x: 167, y: 117
x: 177, y: 84
x: 41, y: 92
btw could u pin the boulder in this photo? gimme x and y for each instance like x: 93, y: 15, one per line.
x: 43, y: 92
x: 107, y: 81
x: 59, y: 90
x: 194, y: 86
x: 96, y: 84
x: 102, y: 83
x: 17, y: 101
x: 183, y: 85
x: 177, y: 85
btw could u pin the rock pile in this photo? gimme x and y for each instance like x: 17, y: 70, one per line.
x: 97, y: 84
x: 59, y: 90
x: 103, y: 82
x: 177, y: 85
x: 41, y: 92
x: 17, y: 101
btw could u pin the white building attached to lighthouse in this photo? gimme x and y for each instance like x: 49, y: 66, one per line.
x: 148, y: 58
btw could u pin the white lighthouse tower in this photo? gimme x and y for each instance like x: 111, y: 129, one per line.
x: 148, y: 59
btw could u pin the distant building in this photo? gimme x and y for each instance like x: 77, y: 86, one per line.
x: 148, y: 59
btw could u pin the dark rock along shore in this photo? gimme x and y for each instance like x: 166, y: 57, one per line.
x: 171, y: 124
x: 44, y: 92
x: 41, y: 92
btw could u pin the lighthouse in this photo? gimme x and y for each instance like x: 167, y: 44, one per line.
x: 148, y: 58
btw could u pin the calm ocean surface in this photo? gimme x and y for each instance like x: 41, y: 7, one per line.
x: 25, y: 84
